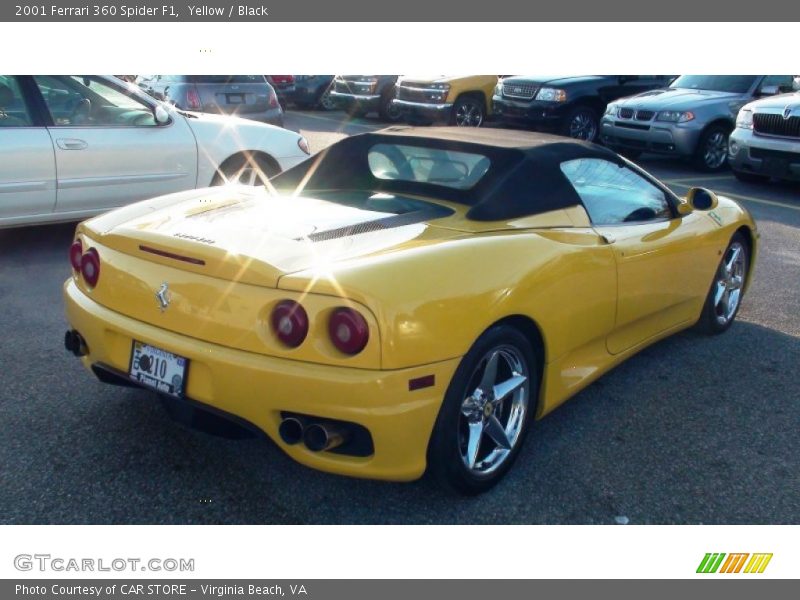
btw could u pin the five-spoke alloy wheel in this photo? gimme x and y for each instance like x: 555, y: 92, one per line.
x: 725, y: 295
x: 486, y: 411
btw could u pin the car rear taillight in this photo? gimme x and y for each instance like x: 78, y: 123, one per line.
x: 90, y: 267
x: 348, y: 330
x: 75, y: 255
x: 290, y: 323
x: 273, y: 99
x: 193, y: 100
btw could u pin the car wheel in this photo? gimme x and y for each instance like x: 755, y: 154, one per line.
x: 746, y: 177
x: 581, y: 124
x: 246, y: 170
x: 325, y: 101
x: 485, y: 414
x: 712, y: 149
x: 725, y: 296
x: 468, y: 111
x: 389, y: 111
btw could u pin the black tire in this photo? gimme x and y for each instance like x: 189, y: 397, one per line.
x: 746, y: 177
x: 710, y: 322
x: 250, y: 170
x: 325, y: 102
x: 581, y: 123
x: 468, y: 111
x: 711, y: 154
x: 388, y: 110
x: 445, y: 461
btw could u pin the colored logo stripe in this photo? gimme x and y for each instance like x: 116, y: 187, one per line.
x: 733, y: 564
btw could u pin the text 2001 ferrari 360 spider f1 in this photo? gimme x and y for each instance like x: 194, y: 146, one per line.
x: 407, y: 299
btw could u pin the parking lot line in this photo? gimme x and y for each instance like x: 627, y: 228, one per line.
x: 678, y: 183
x: 344, y: 123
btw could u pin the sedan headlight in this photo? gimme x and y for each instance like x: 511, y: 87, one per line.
x: 675, y: 116
x: 445, y: 87
x: 551, y: 95
x: 498, y: 89
x: 611, y: 110
x: 745, y: 119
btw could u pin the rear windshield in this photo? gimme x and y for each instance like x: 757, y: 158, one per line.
x: 398, y: 162
x: 227, y: 78
x: 736, y: 84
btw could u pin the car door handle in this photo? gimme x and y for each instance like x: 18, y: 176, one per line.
x: 71, y: 144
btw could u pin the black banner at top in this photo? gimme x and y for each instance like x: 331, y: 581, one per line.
x: 404, y: 11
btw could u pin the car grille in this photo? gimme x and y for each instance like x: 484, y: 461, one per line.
x: 641, y: 115
x: 413, y: 94
x: 762, y: 153
x: 774, y: 124
x: 524, y: 91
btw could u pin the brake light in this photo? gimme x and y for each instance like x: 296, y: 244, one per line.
x: 290, y: 323
x: 193, y: 100
x: 348, y: 330
x: 90, y: 267
x: 75, y: 255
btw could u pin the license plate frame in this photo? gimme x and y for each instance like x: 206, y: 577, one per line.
x: 168, y: 366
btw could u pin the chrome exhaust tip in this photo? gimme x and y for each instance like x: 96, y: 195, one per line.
x: 291, y: 430
x: 324, y: 436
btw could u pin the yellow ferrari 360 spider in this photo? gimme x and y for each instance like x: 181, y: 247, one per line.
x: 406, y: 300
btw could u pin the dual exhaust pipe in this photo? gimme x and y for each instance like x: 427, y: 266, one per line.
x: 317, y: 436
x: 74, y: 343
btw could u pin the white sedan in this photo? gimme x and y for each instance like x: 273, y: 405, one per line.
x: 75, y: 146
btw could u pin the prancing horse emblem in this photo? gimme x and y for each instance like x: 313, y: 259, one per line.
x: 163, y: 296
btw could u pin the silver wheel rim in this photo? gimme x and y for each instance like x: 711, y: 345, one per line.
x: 716, y: 150
x: 469, y: 114
x: 326, y: 101
x: 729, y: 283
x: 493, y: 414
x: 583, y: 127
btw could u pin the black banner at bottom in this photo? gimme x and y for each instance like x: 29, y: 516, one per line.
x: 733, y: 588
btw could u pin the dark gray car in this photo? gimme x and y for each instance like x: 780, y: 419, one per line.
x: 247, y: 96
x: 692, y: 118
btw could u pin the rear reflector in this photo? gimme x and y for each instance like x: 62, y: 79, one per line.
x: 421, y: 382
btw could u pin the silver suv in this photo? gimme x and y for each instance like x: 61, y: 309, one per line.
x: 692, y: 118
x: 766, y: 141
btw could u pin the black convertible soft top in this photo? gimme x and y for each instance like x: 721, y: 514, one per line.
x: 524, y: 178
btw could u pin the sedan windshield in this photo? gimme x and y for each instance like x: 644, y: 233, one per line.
x: 735, y: 84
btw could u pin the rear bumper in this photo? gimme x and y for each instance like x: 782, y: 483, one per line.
x: 418, y: 111
x: 257, y: 388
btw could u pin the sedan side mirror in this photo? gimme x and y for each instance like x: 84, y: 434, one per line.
x: 161, y: 115
x: 698, y: 199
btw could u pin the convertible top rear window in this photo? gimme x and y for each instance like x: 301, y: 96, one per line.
x: 450, y: 168
x: 498, y: 173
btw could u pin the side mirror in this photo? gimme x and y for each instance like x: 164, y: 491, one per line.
x: 769, y: 90
x: 161, y: 115
x: 698, y: 199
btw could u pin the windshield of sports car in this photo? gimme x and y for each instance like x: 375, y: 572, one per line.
x: 734, y: 84
x: 400, y: 162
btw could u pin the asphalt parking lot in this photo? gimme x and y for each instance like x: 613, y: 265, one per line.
x: 693, y: 430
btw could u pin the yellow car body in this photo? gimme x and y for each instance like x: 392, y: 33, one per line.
x: 446, y: 99
x: 588, y: 296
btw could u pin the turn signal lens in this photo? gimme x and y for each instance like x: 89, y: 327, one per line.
x: 290, y: 323
x: 75, y: 254
x: 348, y: 330
x: 90, y: 267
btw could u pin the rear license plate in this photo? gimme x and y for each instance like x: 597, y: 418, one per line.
x: 235, y: 98
x: 158, y: 369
